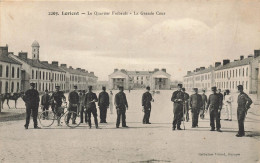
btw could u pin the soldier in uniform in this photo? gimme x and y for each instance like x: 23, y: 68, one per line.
x: 111, y: 102
x: 56, y: 99
x: 73, y: 104
x: 31, y: 99
x: 214, y: 105
x: 146, y: 103
x: 45, y: 101
x: 195, y: 105
x: 90, y: 104
x: 121, y: 107
x: 221, y: 97
x: 186, y: 104
x: 177, y: 99
x: 82, y: 97
x: 103, y: 103
x: 204, y: 103
x: 243, y: 104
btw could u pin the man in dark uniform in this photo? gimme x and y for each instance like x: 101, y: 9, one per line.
x: 45, y: 101
x: 186, y: 104
x: 103, y: 103
x: 90, y: 100
x: 214, y: 105
x: 221, y: 97
x: 243, y: 104
x: 56, y: 99
x: 82, y: 97
x: 177, y: 99
x: 146, y: 103
x: 31, y: 99
x: 73, y: 104
x: 204, y: 103
x: 121, y: 107
x: 195, y: 105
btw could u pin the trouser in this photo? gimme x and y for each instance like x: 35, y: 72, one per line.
x: 202, y: 112
x: 111, y: 108
x: 45, y: 107
x: 92, y: 110
x: 147, y: 112
x: 178, y: 113
x: 121, y: 112
x: 228, y: 108
x: 103, y: 113
x: 82, y: 115
x: 241, y: 114
x: 214, y: 116
x: 74, y: 109
x: 186, y: 111
x: 31, y: 110
x: 195, y: 116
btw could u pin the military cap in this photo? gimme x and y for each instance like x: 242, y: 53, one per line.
x: 121, y: 87
x: 76, y: 87
x: 46, y: 90
x: 195, y: 89
x: 148, y: 88
x: 228, y: 91
x: 240, y: 87
x: 183, y: 89
x: 57, y: 86
x: 103, y: 88
x: 180, y: 85
x: 32, y: 84
x: 90, y: 87
x: 213, y: 88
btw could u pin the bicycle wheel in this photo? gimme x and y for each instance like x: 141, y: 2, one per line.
x: 46, y: 118
x: 72, y: 119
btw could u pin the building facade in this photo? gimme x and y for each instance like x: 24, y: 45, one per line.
x: 157, y: 79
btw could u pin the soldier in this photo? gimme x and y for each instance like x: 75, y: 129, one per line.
x: 82, y: 97
x: 177, y: 99
x: 221, y: 97
x: 90, y: 104
x: 111, y: 102
x: 228, y: 99
x: 31, y: 99
x: 146, y: 103
x: 57, y: 97
x: 73, y: 104
x: 45, y: 101
x: 214, y: 104
x: 204, y: 103
x: 195, y: 105
x: 121, y: 106
x: 243, y: 104
x: 103, y: 103
x: 186, y: 104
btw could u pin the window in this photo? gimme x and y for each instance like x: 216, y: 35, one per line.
x: 36, y: 74
x: 236, y: 72
x: 233, y: 73
x: 1, y: 71
x: 32, y: 74
x: 42, y: 86
x: 12, y: 72
x: 0, y: 87
x: 6, y: 87
x: 17, y: 87
x: 40, y: 75
x: 239, y: 72
x: 39, y: 86
x: 12, y: 87
x: 7, y: 71
x: 243, y: 72
x: 43, y: 75
x: 247, y: 71
x: 246, y: 84
x: 18, y: 72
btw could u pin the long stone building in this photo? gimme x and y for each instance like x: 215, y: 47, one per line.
x: 227, y: 75
x: 157, y: 79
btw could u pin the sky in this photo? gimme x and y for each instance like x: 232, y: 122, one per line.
x: 191, y: 34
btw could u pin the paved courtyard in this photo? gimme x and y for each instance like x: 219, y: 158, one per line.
x: 138, y: 143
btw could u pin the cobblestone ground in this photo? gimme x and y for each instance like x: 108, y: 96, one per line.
x: 138, y: 143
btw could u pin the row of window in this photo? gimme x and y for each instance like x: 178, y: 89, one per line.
x: 77, y: 78
x: 49, y: 86
x: 6, y: 87
x: 238, y: 72
x: 12, y: 72
x: 232, y: 85
x: 48, y: 76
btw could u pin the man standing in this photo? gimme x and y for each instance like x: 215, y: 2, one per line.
x: 103, y: 103
x: 82, y: 97
x: 195, y: 105
x: 243, y: 104
x: 228, y: 99
x: 177, y: 99
x: 146, y: 103
x: 73, y: 104
x: 45, y: 101
x: 214, y: 105
x: 204, y: 103
x: 221, y: 97
x: 90, y: 100
x: 31, y: 100
x: 186, y: 104
x: 121, y: 107
x: 111, y: 102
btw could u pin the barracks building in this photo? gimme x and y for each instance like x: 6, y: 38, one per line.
x: 227, y: 75
x: 157, y: 79
x: 18, y: 71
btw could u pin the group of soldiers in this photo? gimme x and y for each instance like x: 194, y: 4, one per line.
x: 199, y: 104
x: 85, y: 103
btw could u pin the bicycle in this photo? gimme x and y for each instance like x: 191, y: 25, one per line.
x: 71, y: 119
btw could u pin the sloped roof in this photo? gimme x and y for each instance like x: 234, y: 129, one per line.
x: 7, y: 59
x: 207, y: 70
x: 35, y: 43
x: 34, y: 63
x: 52, y: 67
x: 139, y: 72
x: 238, y: 63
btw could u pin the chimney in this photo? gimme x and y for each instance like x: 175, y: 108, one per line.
x: 197, y: 69
x: 115, y: 70
x: 226, y: 61
x: 257, y: 53
x: 4, y: 51
x: 164, y: 69
x: 241, y: 57
x: 70, y: 67
x: 45, y: 62
x: 217, y: 64
x: 83, y: 70
x: 86, y: 71
x: 188, y: 72
x: 79, y: 69
x: 55, y: 63
x: 63, y: 65
x: 250, y: 56
x: 156, y: 69
x: 235, y: 60
x: 23, y: 55
x: 202, y: 68
x: 92, y: 72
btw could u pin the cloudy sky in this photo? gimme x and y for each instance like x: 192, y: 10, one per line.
x: 191, y: 33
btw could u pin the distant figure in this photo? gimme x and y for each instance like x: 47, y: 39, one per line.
x: 195, y: 105
x: 214, y: 105
x: 121, y: 107
x: 243, y: 104
x: 31, y: 100
x: 186, y: 105
x: 45, y: 101
x: 177, y: 99
x: 146, y: 103
x: 221, y: 97
x: 129, y: 90
x: 204, y: 104
x: 111, y: 105
x: 82, y: 97
x: 103, y: 103
x: 228, y: 99
x: 90, y: 102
